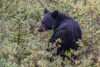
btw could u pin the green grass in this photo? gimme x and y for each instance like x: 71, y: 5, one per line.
x: 21, y: 45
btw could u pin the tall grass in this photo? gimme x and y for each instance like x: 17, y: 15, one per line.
x: 21, y: 45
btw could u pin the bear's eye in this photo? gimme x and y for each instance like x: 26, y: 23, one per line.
x: 44, y: 23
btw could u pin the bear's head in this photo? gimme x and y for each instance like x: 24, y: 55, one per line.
x: 49, y: 20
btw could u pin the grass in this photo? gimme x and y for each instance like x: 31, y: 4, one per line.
x: 21, y: 45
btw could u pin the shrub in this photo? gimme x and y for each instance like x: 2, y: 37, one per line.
x: 22, y: 45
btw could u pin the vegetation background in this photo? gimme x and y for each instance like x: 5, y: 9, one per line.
x: 21, y: 45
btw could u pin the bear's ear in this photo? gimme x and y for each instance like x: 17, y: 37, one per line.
x: 55, y: 14
x: 45, y: 10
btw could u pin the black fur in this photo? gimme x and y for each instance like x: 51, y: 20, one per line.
x: 65, y: 28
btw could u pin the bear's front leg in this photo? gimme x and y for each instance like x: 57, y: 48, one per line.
x: 52, y: 39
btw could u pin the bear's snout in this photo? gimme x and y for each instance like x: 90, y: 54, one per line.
x: 41, y: 28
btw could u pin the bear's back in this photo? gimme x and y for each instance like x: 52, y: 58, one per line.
x: 69, y: 27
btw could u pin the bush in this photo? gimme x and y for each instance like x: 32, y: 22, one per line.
x: 22, y: 45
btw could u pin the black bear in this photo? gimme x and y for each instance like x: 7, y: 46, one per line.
x: 64, y: 27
